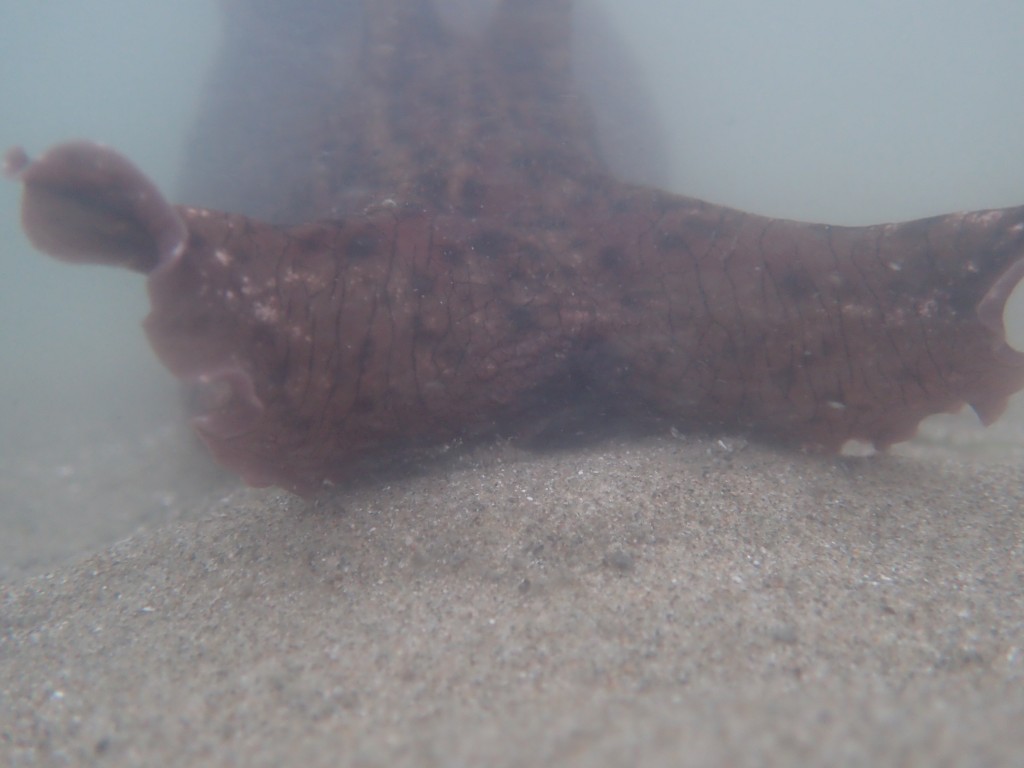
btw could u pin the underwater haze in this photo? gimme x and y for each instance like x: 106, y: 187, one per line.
x: 850, y: 113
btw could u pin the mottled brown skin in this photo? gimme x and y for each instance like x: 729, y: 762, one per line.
x: 381, y: 100
x: 429, y: 313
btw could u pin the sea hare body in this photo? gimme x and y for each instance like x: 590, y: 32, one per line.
x: 505, y: 280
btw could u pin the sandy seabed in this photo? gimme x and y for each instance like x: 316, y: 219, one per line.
x: 661, y: 601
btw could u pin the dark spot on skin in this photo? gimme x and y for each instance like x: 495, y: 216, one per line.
x: 796, y: 285
x: 913, y: 379
x: 366, y: 352
x: 833, y: 396
x: 321, y: 238
x: 552, y: 223
x: 196, y: 326
x: 421, y: 283
x: 899, y: 286
x: 963, y: 301
x: 452, y: 254
x: 516, y: 274
x: 844, y: 291
x: 492, y: 244
x: 424, y: 333
x: 522, y: 318
x: 698, y: 227
x: 622, y: 205
x: 474, y: 195
x: 784, y: 378
x: 639, y: 298
x: 523, y: 161
x: 276, y: 376
x: 431, y: 185
x: 363, y: 404
x: 671, y: 241
x: 425, y: 157
x: 401, y: 131
x: 612, y: 258
x: 667, y: 203
x: 362, y: 246
x: 449, y: 356
x: 264, y: 338
x: 301, y: 424
x: 533, y: 253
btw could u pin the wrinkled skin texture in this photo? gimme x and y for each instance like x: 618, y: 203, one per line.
x: 471, y: 267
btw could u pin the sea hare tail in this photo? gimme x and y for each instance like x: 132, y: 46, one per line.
x: 86, y: 204
x: 812, y: 333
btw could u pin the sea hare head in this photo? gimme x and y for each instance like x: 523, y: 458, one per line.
x: 84, y: 203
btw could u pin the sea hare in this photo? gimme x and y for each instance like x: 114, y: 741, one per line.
x: 471, y: 267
